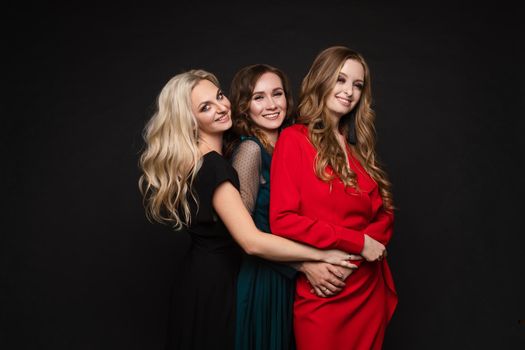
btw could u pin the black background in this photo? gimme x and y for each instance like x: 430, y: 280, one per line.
x: 83, y: 269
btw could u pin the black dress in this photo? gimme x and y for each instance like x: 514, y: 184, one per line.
x: 203, y: 307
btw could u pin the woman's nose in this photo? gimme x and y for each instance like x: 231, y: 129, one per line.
x: 223, y: 106
x: 271, y: 104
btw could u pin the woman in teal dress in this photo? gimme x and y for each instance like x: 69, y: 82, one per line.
x: 261, y: 102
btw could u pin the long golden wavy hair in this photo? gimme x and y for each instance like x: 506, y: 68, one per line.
x: 241, y: 91
x: 171, y: 158
x: 315, y: 88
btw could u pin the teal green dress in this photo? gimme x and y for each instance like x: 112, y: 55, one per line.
x: 265, y: 289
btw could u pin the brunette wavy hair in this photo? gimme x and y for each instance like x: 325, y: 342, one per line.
x: 315, y: 88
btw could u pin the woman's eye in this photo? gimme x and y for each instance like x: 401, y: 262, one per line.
x: 205, y: 108
x: 257, y: 97
x: 341, y: 80
x: 278, y: 93
x: 220, y: 95
x: 359, y: 86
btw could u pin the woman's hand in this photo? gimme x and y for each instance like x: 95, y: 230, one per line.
x: 325, y: 279
x: 373, y: 250
x: 338, y: 257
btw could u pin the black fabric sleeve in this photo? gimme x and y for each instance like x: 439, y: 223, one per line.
x: 213, y: 172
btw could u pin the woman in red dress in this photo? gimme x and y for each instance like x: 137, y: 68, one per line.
x: 329, y: 191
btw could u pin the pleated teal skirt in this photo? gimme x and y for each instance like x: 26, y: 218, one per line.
x: 264, y: 316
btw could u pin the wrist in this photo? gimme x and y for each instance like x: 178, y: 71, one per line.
x: 320, y: 256
x: 326, y: 258
x: 365, y: 243
x: 298, y: 266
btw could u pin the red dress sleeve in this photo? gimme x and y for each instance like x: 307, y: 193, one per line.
x: 381, y: 228
x: 288, y: 164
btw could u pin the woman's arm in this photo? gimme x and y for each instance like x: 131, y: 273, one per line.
x: 247, y: 162
x: 381, y: 227
x: 230, y: 208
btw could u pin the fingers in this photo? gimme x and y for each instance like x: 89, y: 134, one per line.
x: 326, y: 280
x: 332, y: 288
x: 348, y: 264
x: 352, y: 266
x: 334, y: 270
x: 326, y: 289
x: 319, y: 292
x: 376, y: 255
x: 372, y: 249
x: 325, y: 292
x: 333, y: 283
x: 355, y: 257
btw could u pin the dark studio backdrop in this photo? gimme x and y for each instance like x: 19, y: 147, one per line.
x: 83, y: 269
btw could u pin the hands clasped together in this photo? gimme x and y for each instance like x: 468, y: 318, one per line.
x: 328, y: 280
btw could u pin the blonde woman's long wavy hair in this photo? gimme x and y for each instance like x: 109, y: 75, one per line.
x: 171, y: 158
x: 315, y: 88
x: 241, y: 91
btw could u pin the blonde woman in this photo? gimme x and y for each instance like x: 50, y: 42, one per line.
x: 329, y: 191
x: 187, y: 182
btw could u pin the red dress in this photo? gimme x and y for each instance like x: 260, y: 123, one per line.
x: 328, y: 215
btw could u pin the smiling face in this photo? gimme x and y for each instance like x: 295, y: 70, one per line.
x: 211, y: 108
x: 347, y: 90
x: 268, y: 103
